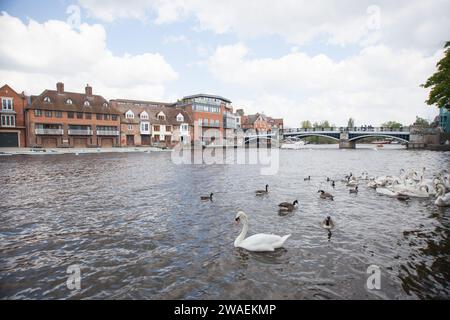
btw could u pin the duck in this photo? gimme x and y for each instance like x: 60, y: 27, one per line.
x: 325, y: 195
x: 328, y: 223
x: 210, y: 197
x: 287, y: 206
x: 443, y: 199
x: 354, y: 190
x: 333, y: 183
x: 262, y: 192
x: 307, y: 178
x: 258, y: 242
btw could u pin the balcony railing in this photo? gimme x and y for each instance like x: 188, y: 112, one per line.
x: 80, y: 132
x: 49, y: 131
x: 107, y: 132
x: 210, y: 125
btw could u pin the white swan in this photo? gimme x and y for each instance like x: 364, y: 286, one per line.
x: 257, y: 242
x: 387, y: 192
x: 443, y: 199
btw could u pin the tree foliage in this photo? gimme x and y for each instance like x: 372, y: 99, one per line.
x: 306, y: 124
x: 439, y: 82
x: 392, y: 125
x: 421, y: 122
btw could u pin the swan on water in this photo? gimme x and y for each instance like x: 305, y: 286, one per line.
x: 257, y: 242
x: 443, y: 199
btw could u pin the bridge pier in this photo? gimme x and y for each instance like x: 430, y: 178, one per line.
x: 345, y: 144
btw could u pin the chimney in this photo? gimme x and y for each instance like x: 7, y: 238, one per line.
x: 88, y: 90
x: 60, y: 87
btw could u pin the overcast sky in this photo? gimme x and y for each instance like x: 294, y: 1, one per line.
x: 301, y: 60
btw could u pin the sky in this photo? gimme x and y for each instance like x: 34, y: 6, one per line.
x: 299, y: 60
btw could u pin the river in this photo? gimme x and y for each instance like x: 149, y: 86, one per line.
x: 136, y: 227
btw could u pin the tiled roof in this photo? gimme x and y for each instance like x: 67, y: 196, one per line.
x: 58, y: 101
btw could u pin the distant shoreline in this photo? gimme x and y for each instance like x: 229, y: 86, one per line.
x: 51, y: 151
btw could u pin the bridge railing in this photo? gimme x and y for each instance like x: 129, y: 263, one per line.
x: 347, y: 129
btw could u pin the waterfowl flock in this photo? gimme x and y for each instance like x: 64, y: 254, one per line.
x: 403, y: 187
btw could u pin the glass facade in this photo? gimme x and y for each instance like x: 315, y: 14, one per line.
x: 444, y: 119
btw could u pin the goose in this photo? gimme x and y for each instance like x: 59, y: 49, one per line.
x: 307, y: 178
x: 328, y: 223
x: 210, y: 197
x: 328, y: 179
x: 287, y: 206
x: 262, y: 192
x: 443, y: 199
x: 325, y: 195
x: 258, y: 242
x: 355, y: 190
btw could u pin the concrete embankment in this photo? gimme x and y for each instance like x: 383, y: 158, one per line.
x: 44, y: 151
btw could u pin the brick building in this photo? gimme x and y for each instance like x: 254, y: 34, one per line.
x: 12, y: 118
x: 145, y: 123
x: 57, y: 118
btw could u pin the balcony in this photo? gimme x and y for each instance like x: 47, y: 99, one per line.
x: 42, y: 131
x: 209, y: 125
x: 80, y: 132
x: 107, y: 132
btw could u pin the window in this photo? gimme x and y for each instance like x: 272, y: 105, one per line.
x: 114, y: 117
x: 168, y: 128
x: 79, y: 115
x: 99, y: 116
x: 184, y: 127
x: 106, y: 117
x: 129, y: 114
x: 70, y: 114
x: 69, y: 101
x: 47, y: 99
x: 180, y: 117
x: 58, y: 114
x: 217, y: 123
x: 86, y: 103
x: 48, y: 114
x: 88, y: 115
x: 144, y: 115
x: 156, y: 128
x: 144, y: 126
x: 161, y: 116
x: 130, y: 127
x: 37, y: 113
x: 7, y: 103
x: 8, y: 121
x: 105, y: 104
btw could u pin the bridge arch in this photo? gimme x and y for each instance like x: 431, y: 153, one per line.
x: 368, y: 135
x: 312, y: 134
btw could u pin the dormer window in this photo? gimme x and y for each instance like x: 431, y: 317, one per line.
x: 180, y: 117
x: 105, y: 104
x: 87, y: 104
x: 129, y: 114
x: 69, y: 101
x: 144, y: 115
x: 47, y: 99
x: 161, y: 116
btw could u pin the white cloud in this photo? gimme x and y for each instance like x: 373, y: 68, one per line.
x: 35, y: 56
x: 413, y: 23
x: 373, y: 86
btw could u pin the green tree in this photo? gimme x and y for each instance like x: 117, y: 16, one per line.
x: 322, y: 124
x: 439, y: 82
x: 351, y: 123
x: 421, y: 122
x: 392, y: 125
x: 306, y: 124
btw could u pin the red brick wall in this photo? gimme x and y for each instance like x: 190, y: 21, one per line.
x: 19, y: 106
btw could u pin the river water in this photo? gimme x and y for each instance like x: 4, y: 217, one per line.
x: 136, y: 227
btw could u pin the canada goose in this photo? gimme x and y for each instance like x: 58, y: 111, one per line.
x: 307, y: 178
x: 325, y: 195
x: 287, y: 206
x: 210, y: 197
x: 262, y: 192
x: 328, y: 223
x: 328, y: 179
x: 355, y: 190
